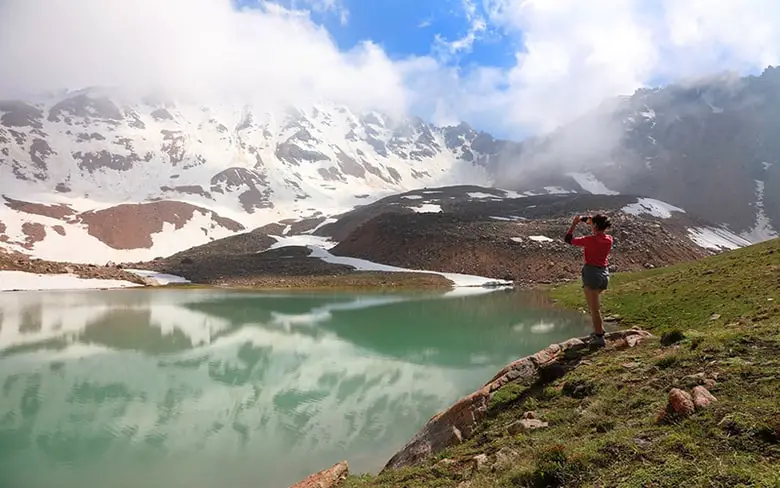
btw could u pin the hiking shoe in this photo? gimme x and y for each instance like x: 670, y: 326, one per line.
x: 597, y: 340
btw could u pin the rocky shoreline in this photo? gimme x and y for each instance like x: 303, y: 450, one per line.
x: 458, y: 423
x: 13, y: 261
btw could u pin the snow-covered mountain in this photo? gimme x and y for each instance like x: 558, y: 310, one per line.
x: 88, y: 176
x: 94, y: 176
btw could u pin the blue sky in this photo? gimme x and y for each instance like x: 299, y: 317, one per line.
x: 406, y: 28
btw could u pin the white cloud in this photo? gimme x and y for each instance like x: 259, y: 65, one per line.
x: 477, y: 26
x: 576, y: 54
x: 198, y: 48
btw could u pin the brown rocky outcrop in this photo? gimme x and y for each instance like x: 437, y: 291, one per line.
x: 59, y: 212
x: 131, y: 226
x: 702, y: 398
x: 457, y: 423
x: 34, y: 232
x: 328, y: 478
x: 680, y: 402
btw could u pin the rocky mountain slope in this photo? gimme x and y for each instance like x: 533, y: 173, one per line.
x: 471, y: 230
x: 91, y: 176
x: 708, y: 146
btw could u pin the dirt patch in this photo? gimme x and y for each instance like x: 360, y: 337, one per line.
x: 3, y: 237
x: 59, y: 229
x: 131, y: 226
x: 35, y: 233
x: 59, y: 212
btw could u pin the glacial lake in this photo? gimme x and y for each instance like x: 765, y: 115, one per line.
x: 205, y: 388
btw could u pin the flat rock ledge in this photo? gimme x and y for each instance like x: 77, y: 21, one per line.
x: 457, y: 424
x: 328, y: 478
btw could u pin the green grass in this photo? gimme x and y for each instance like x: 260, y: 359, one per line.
x: 720, y: 317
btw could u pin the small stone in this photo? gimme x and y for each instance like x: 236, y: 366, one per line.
x: 631, y: 365
x: 529, y: 415
x: 702, y: 398
x: 613, y: 318
x: 709, y: 383
x: 680, y: 402
x: 480, y: 462
x: 715, y: 316
x: 526, y: 424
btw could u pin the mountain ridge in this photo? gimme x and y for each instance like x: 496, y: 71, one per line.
x: 180, y: 175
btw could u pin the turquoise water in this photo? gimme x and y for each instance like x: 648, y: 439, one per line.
x: 169, y: 388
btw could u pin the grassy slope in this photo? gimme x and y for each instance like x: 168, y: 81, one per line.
x: 611, y: 436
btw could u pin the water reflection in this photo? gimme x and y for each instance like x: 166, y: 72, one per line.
x: 194, y: 388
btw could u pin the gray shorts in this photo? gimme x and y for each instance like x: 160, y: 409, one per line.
x: 595, y: 277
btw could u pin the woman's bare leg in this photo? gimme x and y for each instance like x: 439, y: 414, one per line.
x: 594, y: 305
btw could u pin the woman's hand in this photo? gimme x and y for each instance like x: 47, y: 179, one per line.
x: 576, y: 220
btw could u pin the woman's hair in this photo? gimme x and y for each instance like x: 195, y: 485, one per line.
x: 601, y: 222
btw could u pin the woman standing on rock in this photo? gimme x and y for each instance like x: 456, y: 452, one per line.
x: 595, y: 272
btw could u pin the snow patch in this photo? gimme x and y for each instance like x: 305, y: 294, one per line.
x: 556, y: 190
x: 540, y: 238
x: 589, y: 183
x: 653, y: 207
x: 427, y: 208
x: 479, y: 195
x: 413, y: 197
x: 762, y: 229
x: 516, y: 239
x: 458, y: 280
x: 158, y: 279
x: 304, y: 240
x: 716, y: 239
x: 22, y: 281
x: 767, y: 165
x: 511, y: 218
x: 325, y: 222
x: 512, y: 194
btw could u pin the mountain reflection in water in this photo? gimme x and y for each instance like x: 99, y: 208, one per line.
x: 197, y: 388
